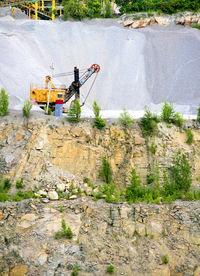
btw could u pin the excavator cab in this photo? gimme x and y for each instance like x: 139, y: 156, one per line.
x: 50, y: 93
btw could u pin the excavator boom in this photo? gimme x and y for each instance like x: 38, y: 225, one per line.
x: 50, y: 93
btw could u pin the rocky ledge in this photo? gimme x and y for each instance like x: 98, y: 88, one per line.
x: 137, y: 239
x: 186, y: 20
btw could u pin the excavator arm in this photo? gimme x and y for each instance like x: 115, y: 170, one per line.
x: 74, y: 88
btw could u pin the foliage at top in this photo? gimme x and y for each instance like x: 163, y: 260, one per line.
x: 96, y: 109
x: 27, y: 109
x: 65, y: 232
x: 74, y: 112
x: 125, y: 119
x: 108, y: 10
x: 106, y: 171
x: 98, y: 121
x: 164, y: 6
x: 149, y: 122
x: 198, y: 114
x: 79, y: 10
x: 170, y: 116
x: 4, y: 102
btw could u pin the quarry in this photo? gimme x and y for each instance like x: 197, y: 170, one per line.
x: 64, y: 202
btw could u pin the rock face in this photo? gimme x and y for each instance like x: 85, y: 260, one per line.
x: 187, y: 20
x: 51, y: 154
x: 135, y: 24
x: 133, y: 238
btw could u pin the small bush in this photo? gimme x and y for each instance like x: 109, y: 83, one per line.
x: 153, y: 147
x: 7, y: 184
x: 19, y: 184
x: 149, y: 122
x: 61, y: 209
x: 190, y: 136
x: 108, y: 10
x: 96, y: 109
x: 74, y: 112
x: 165, y: 259
x: 125, y: 119
x: 178, y: 119
x: 110, y: 269
x: 99, y: 122
x: 163, y: 233
x: 167, y: 112
x: 170, y: 116
x: 151, y: 236
x: 75, y: 9
x: 196, y: 26
x: 106, y: 171
x: 75, y: 271
x: 198, y: 114
x: 135, y: 190
x: 4, y: 102
x: 49, y: 110
x: 27, y: 109
x: 66, y: 232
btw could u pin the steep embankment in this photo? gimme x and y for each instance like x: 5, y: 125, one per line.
x: 53, y: 154
x: 133, y: 238
x: 157, y: 63
x: 53, y: 147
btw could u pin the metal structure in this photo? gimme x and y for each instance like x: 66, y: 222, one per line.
x: 44, y: 9
x: 48, y: 94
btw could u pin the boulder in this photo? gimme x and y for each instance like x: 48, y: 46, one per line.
x: 53, y: 195
x: 61, y: 187
x: 128, y: 23
x: 18, y: 270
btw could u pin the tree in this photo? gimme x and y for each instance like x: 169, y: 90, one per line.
x: 74, y: 112
x: 75, y: 9
x: 94, y: 8
x: 4, y: 102
x: 106, y: 171
x: 98, y: 121
x: 125, y: 119
x: 96, y: 109
x: 26, y: 109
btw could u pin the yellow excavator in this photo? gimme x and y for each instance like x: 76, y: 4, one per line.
x: 49, y: 93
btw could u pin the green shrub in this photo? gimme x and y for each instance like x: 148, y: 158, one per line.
x: 96, y: 109
x: 151, y: 236
x: 153, y: 147
x: 125, y: 119
x: 181, y: 173
x: 134, y: 191
x: 75, y: 9
x: 49, y: 110
x: 4, y: 102
x: 65, y: 232
x: 94, y: 8
x: 178, y: 119
x: 19, y: 184
x: 106, y: 171
x: 163, y: 232
x: 167, y: 112
x: 190, y: 136
x: 198, y: 114
x: 170, y: 116
x: 61, y: 209
x: 110, y: 269
x: 75, y: 271
x: 7, y: 184
x: 196, y: 26
x: 99, y: 122
x: 108, y: 9
x: 74, y: 112
x: 165, y: 259
x: 27, y: 109
x: 149, y: 122
x: 3, y: 196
